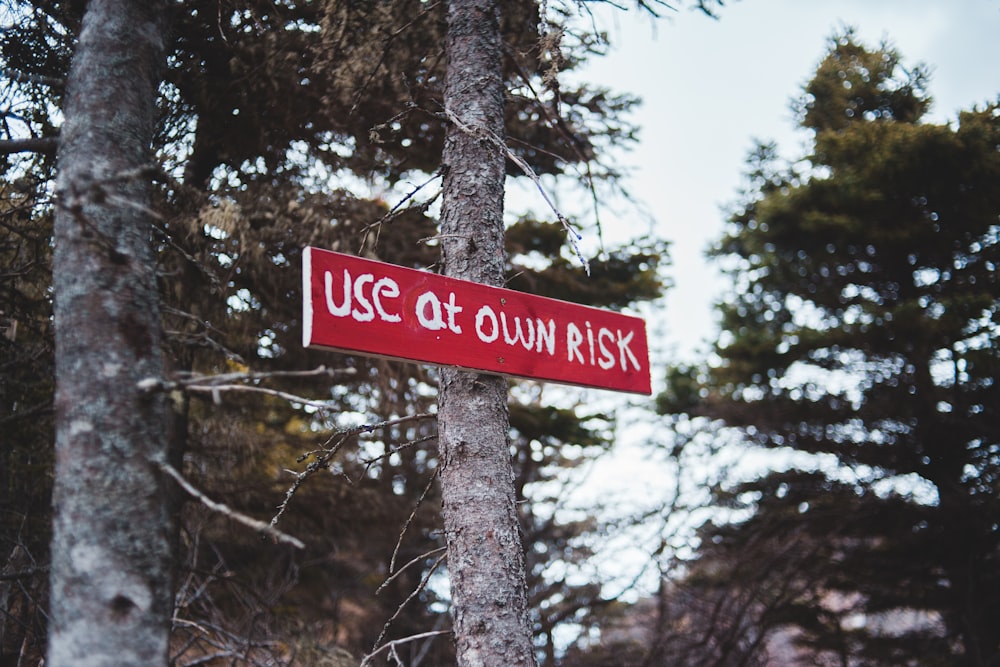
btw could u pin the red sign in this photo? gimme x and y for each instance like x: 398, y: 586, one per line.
x: 373, y: 308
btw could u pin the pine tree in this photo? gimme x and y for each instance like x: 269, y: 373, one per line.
x: 862, y: 335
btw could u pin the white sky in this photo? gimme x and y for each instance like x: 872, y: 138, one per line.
x: 711, y: 87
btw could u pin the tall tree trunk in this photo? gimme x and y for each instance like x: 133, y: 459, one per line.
x: 485, y: 556
x: 111, y: 593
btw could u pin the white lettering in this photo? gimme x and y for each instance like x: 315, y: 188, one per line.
x: 435, y: 321
x: 452, y: 310
x: 484, y: 313
x: 366, y: 314
x: 590, y: 341
x: 528, y: 342
x: 345, y: 308
x: 624, y: 351
x: 607, y: 359
x: 362, y: 310
x: 546, y: 337
x: 573, y: 339
x: 385, y: 287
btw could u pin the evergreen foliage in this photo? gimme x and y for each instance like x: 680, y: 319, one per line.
x: 862, y: 345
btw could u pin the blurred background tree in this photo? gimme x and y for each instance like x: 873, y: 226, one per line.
x: 860, y: 346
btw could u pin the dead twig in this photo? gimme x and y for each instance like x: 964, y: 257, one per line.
x: 228, y: 382
x: 368, y: 463
x: 407, y: 566
x: 397, y: 210
x: 483, y: 133
x: 229, y: 512
x: 399, y: 541
x: 391, y: 646
x: 376, y: 649
x: 329, y: 449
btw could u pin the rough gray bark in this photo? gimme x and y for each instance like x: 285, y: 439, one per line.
x: 485, y: 556
x: 111, y: 596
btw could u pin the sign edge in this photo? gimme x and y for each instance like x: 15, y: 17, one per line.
x: 307, y: 304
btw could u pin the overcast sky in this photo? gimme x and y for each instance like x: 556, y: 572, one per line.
x: 710, y: 87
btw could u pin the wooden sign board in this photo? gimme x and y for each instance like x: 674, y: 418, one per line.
x: 373, y: 308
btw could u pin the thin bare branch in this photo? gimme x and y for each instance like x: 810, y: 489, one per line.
x: 483, y: 133
x: 399, y: 541
x: 398, y: 209
x: 395, y: 450
x: 329, y: 449
x: 229, y: 512
x: 321, y: 463
x: 403, y: 569
x: 416, y: 591
x: 558, y: 123
x: 217, y: 384
x: 391, y: 646
x: 216, y: 390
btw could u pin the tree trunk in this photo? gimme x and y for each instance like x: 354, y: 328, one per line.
x: 485, y: 556
x: 111, y: 595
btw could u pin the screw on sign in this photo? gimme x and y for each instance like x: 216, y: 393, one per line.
x: 367, y: 307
